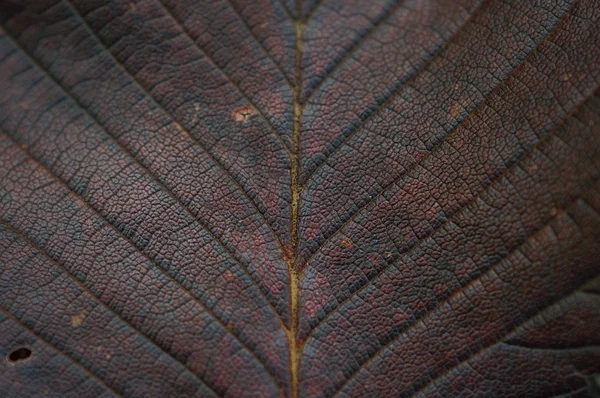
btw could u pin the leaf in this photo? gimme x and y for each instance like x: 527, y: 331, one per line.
x: 309, y: 199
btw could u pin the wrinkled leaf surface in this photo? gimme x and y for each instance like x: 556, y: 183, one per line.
x: 300, y: 198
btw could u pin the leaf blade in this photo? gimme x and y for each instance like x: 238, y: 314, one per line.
x: 301, y: 198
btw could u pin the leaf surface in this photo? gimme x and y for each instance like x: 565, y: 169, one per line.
x: 299, y: 198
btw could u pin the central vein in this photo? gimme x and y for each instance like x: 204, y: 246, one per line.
x: 295, y: 346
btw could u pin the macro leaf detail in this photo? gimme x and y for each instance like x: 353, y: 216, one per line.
x: 299, y: 198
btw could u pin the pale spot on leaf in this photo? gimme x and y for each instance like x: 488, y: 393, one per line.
x: 77, y: 320
x: 242, y: 114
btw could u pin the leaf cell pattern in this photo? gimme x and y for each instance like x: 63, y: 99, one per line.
x: 300, y: 198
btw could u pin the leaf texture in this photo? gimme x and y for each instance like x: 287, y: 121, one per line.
x: 300, y: 198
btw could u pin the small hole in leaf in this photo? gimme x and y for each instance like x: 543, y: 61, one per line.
x: 19, y: 354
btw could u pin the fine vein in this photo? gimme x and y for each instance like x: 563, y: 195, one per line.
x: 393, y: 93
x: 122, y: 233
x: 97, y: 377
x: 436, y: 147
x: 35, y: 246
x: 453, y: 214
x: 259, y: 42
x: 371, y: 357
x: 187, y: 33
x: 155, y: 176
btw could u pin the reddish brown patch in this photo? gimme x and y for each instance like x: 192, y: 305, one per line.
x: 242, y: 114
x: 347, y: 242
